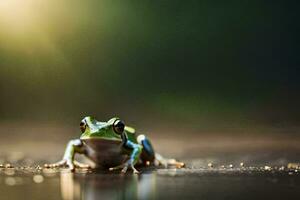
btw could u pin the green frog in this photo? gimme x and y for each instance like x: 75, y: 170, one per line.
x: 112, y: 145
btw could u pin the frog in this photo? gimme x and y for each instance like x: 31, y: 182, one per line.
x: 114, y: 146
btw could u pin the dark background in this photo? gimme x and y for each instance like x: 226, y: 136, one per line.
x: 186, y: 64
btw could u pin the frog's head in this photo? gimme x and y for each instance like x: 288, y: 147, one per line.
x: 110, y: 130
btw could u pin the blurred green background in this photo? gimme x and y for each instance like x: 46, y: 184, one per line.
x: 187, y: 64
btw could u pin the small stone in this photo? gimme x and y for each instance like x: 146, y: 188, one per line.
x: 293, y: 166
x: 8, y: 165
x: 210, y: 165
x: 242, y: 164
x: 231, y: 166
x: 46, y: 165
x: 268, y: 168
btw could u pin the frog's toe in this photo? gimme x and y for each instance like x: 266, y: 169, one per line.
x: 57, y: 164
x: 116, y: 168
x: 179, y: 164
x: 175, y: 163
x: 69, y: 164
x: 81, y: 165
x: 63, y: 163
x: 135, y: 171
x: 111, y: 169
x: 167, y: 162
x: 124, y: 170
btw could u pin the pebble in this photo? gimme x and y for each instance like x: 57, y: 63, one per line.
x: 268, y: 168
x: 8, y: 165
x: 281, y: 168
x: 293, y: 165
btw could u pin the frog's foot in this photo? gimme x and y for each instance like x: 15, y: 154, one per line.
x: 81, y: 165
x: 173, y: 162
x: 167, y: 162
x: 69, y: 164
x: 64, y: 163
x: 124, y: 168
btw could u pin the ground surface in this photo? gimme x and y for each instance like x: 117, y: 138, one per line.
x: 219, y: 166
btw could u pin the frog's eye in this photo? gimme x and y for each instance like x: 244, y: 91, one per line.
x: 82, y: 126
x: 118, y: 126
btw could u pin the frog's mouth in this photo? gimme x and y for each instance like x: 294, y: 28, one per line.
x: 103, y: 145
x: 103, y: 139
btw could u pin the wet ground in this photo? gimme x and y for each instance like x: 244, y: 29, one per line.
x: 202, y: 182
x: 219, y: 166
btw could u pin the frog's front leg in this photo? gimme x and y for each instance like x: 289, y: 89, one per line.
x: 74, y: 146
x: 134, y: 157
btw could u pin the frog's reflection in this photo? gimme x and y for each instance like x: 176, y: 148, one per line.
x: 107, y: 186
